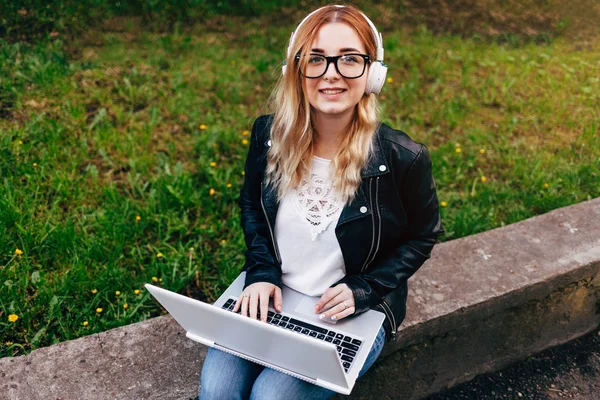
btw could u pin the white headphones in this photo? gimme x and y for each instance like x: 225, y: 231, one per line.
x: 377, y: 69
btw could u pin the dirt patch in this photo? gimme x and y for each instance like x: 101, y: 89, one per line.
x: 570, y: 371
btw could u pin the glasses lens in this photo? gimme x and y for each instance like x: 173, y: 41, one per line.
x: 315, y: 66
x: 349, y: 66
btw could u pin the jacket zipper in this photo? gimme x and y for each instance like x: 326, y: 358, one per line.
x: 275, y: 247
x: 392, y: 320
x: 373, y: 220
x: 369, y: 257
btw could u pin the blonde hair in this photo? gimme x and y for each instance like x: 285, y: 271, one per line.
x: 292, y: 133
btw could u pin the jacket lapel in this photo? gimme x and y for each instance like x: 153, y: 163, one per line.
x: 376, y: 166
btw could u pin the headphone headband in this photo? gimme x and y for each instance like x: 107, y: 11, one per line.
x: 376, y: 34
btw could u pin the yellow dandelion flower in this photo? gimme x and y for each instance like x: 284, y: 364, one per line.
x: 136, y: 291
x: 229, y: 185
x: 159, y: 255
x: 98, y: 310
x: 483, y: 179
x: 34, y: 165
x: 245, y: 133
x: 482, y: 151
x: 243, y: 173
x: 13, y: 318
x: 137, y: 218
x: 118, y: 293
x: 443, y: 204
x: 160, y: 279
x: 126, y: 306
x: 8, y: 343
x: 458, y: 150
x: 203, y: 127
x: 18, y: 252
x: 390, y: 80
x: 223, y: 241
x: 154, y: 279
x: 213, y: 164
x: 211, y: 191
x: 20, y: 142
x: 546, y: 186
x: 85, y: 323
x: 245, y: 141
x: 94, y: 291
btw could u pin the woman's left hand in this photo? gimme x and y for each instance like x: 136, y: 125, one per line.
x: 336, y: 303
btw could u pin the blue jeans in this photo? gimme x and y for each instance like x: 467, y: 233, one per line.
x: 225, y: 376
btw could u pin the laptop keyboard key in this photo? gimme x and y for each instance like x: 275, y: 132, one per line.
x: 270, y: 313
x: 285, y: 318
x: 305, y: 331
x: 328, y: 339
x: 321, y: 336
x: 349, y: 352
x: 350, y: 346
x: 346, y: 365
x: 347, y: 339
x: 313, y: 334
x: 356, y: 342
x: 336, y: 341
x: 347, y: 358
x: 298, y: 329
x: 283, y: 324
x: 339, y: 336
x: 289, y: 326
x: 331, y: 333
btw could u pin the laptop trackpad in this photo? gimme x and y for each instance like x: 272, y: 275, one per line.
x: 306, y: 308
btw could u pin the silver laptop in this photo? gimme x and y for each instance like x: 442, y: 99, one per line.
x: 295, y: 341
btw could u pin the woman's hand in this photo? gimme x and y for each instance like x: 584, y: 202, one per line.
x: 337, y: 301
x: 257, y: 295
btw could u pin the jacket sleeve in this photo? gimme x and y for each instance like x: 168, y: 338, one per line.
x: 260, y: 264
x: 419, y: 199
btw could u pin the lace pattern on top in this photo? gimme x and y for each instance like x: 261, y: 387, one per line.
x: 316, y: 202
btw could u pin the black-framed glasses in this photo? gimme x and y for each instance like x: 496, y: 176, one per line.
x: 349, y: 66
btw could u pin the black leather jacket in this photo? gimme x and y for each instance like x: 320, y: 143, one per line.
x: 386, y: 233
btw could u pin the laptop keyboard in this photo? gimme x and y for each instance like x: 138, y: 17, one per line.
x: 347, y: 346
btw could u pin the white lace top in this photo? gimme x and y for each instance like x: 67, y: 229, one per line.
x: 305, y: 233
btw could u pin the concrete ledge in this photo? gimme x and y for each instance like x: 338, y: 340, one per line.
x: 480, y: 303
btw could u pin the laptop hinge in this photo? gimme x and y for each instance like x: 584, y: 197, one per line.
x: 200, y: 339
x: 272, y: 366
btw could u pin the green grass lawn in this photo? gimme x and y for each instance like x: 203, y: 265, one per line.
x: 122, y: 162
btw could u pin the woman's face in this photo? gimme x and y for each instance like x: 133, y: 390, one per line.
x: 331, y: 93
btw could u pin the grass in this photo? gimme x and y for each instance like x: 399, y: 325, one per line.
x: 123, y: 165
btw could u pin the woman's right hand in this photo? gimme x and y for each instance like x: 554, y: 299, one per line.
x: 257, y: 295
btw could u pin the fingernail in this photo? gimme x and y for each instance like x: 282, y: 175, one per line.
x: 333, y: 318
x: 321, y: 316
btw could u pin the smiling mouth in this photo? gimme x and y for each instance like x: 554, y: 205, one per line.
x: 332, y: 91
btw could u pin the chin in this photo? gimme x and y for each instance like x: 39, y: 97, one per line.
x: 332, y: 110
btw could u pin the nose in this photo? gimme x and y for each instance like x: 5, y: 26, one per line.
x: 331, y: 71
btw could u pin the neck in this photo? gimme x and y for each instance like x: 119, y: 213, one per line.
x: 329, y: 132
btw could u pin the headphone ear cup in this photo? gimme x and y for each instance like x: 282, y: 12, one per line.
x: 376, y: 77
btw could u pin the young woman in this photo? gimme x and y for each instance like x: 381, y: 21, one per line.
x: 334, y: 204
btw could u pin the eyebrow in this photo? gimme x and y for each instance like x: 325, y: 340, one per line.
x: 344, y: 50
